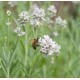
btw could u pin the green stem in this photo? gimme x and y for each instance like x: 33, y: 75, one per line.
x: 8, y: 35
x: 36, y: 33
x: 33, y: 32
x: 26, y: 48
x: 8, y: 47
x: 7, y: 72
x: 44, y: 71
x: 61, y: 36
x: 16, y: 44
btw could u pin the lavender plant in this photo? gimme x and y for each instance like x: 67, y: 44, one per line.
x: 29, y: 49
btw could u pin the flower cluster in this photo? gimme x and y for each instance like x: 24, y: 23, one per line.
x: 52, y: 10
x: 37, y: 17
x: 19, y: 31
x: 60, y: 22
x: 48, y: 46
x: 52, y: 18
x: 23, y: 18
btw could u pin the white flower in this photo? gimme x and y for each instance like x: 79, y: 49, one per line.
x: 12, y: 3
x: 23, y: 18
x: 55, y: 33
x: 19, y: 31
x: 8, y: 12
x: 38, y: 17
x: 48, y: 46
x: 52, y: 10
x: 60, y: 22
x: 39, y: 13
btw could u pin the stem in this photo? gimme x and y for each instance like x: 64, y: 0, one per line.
x: 26, y: 48
x: 8, y: 35
x: 7, y: 72
x: 33, y: 32
x: 36, y: 33
x: 16, y: 44
x: 44, y: 71
x: 61, y: 36
x: 8, y: 21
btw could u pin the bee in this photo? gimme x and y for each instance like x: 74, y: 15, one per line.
x: 35, y: 43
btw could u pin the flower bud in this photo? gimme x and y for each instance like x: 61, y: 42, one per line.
x: 8, y: 12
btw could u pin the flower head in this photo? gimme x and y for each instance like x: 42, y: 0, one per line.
x: 52, y: 10
x: 48, y: 46
x: 19, y: 31
x: 23, y: 18
x: 60, y: 22
x: 38, y: 13
x: 37, y: 16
